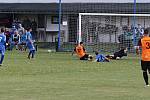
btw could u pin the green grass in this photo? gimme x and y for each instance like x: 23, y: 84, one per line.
x: 60, y: 76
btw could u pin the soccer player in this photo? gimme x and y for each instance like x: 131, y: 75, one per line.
x: 144, y: 43
x: 15, y: 39
x: 119, y: 54
x: 29, y: 43
x: 20, y: 29
x: 22, y: 44
x: 80, y: 51
x: 2, y: 45
x: 101, y: 58
x: 8, y: 36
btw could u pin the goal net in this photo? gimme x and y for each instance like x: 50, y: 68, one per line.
x: 108, y: 32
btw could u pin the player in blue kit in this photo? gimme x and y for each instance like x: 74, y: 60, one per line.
x: 15, y: 40
x: 2, y: 45
x: 101, y: 58
x: 29, y: 43
x: 22, y: 44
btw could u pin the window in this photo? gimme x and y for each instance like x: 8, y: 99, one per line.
x: 55, y: 20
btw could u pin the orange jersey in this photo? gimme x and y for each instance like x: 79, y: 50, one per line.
x: 145, y: 44
x: 80, y: 51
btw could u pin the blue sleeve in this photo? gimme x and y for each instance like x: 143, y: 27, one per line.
x: 103, y: 57
x: 28, y: 36
x: 97, y: 57
x: 4, y: 38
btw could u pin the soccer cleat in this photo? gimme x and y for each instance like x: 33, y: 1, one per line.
x: 28, y: 57
x: 147, y: 85
x: 1, y: 64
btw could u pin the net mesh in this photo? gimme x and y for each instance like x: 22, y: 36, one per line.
x: 109, y: 33
x: 103, y: 32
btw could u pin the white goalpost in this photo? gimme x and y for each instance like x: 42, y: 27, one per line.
x: 110, y: 31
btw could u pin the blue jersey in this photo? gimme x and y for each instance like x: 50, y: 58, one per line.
x: 29, y: 37
x: 100, y: 58
x: 23, y: 38
x: 2, y: 42
x: 30, y: 44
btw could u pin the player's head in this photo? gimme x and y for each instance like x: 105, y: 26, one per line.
x: 20, y: 25
x: 13, y: 26
x: 6, y: 30
x: 96, y: 53
x: 2, y: 30
x: 29, y: 29
x: 16, y: 32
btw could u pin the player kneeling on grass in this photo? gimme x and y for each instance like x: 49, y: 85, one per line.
x: 2, y: 46
x: 80, y: 51
x: 119, y: 54
x: 100, y: 58
x: 30, y: 44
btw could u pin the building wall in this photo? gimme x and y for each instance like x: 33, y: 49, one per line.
x: 52, y: 28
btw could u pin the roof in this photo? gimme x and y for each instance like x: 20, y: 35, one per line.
x: 74, y: 1
x: 69, y: 8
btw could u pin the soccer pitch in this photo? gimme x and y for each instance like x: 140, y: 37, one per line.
x: 60, y: 76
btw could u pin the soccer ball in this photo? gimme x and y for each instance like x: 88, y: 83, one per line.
x: 90, y: 58
x: 49, y: 51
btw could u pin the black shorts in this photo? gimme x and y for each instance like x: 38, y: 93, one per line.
x: 85, y: 57
x: 145, y: 65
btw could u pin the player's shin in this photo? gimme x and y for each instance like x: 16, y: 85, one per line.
x: 145, y: 76
x: 2, y: 58
x: 29, y: 54
x: 33, y: 53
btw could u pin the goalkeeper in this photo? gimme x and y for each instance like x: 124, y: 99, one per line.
x: 80, y: 51
x: 119, y: 54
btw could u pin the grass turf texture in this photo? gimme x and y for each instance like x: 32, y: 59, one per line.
x: 60, y: 76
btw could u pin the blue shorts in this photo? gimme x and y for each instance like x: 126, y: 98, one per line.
x: 30, y: 46
x: 2, y: 50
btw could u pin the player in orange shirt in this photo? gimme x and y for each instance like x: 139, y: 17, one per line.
x: 80, y: 51
x: 144, y: 43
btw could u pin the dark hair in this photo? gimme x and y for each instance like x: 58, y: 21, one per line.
x: 28, y: 29
x: 2, y: 29
x: 96, y: 53
x: 145, y: 31
x: 81, y: 42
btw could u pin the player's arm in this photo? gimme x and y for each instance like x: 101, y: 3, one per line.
x: 19, y: 39
x: 73, y: 51
x: 137, y: 50
x: 4, y: 38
